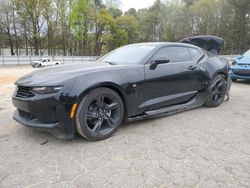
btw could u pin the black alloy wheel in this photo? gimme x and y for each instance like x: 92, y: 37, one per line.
x: 217, y: 92
x: 99, y: 114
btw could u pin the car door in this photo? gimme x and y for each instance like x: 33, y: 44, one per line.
x: 174, y: 82
x: 49, y: 62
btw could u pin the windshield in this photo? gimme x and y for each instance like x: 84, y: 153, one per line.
x: 247, y: 53
x: 131, y: 54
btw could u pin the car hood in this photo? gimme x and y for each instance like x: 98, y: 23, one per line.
x: 208, y: 42
x: 245, y: 60
x: 58, y: 75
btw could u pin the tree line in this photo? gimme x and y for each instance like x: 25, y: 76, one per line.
x: 94, y: 27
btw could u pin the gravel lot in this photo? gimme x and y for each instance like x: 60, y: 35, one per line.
x: 206, y: 147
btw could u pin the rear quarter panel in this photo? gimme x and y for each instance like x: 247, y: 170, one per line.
x: 214, y: 65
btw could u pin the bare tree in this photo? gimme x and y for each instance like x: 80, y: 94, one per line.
x: 7, y: 21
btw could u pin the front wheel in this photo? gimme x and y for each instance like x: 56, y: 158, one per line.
x: 217, y: 92
x: 99, y: 114
x: 35, y: 65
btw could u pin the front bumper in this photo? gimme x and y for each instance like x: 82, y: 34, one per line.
x: 34, y: 123
x: 239, y: 72
x: 50, y: 113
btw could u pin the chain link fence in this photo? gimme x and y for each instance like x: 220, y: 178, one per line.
x: 26, y: 60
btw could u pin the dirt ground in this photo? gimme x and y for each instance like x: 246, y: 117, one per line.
x: 205, y: 147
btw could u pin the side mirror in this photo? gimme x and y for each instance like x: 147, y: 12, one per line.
x: 158, y: 61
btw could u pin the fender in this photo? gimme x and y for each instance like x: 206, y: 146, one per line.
x: 118, y: 89
x: 121, y: 81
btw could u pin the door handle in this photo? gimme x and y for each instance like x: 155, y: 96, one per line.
x: 192, y: 67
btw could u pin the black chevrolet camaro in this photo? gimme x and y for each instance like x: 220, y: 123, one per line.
x: 134, y: 82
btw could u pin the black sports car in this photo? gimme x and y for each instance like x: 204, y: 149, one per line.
x: 133, y: 82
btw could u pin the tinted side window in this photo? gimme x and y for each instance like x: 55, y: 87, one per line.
x: 174, y: 54
x: 195, y: 53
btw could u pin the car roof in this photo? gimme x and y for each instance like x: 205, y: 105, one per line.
x: 161, y: 44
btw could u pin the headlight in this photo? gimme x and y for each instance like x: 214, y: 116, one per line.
x: 46, y: 90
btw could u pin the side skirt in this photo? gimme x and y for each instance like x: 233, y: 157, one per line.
x: 196, y: 102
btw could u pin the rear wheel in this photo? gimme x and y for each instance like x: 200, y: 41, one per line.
x: 99, y: 114
x: 217, y: 92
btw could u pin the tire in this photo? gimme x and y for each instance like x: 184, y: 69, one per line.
x: 217, y: 92
x: 99, y: 114
x: 35, y: 65
x: 234, y: 79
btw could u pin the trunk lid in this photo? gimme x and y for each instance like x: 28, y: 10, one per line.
x: 210, y: 43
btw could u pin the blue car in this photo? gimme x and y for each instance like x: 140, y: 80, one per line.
x: 240, y: 68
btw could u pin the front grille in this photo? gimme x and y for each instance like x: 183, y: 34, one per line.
x: 242, y: 72
x: 26, y: 115
x: 24, y: 92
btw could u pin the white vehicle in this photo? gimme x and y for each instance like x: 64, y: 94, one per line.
x: 44, y: 62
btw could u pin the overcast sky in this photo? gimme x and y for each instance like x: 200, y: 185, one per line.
x: 137, y: 4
